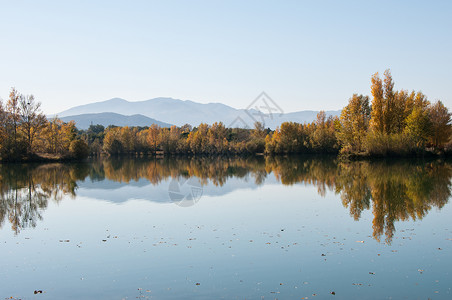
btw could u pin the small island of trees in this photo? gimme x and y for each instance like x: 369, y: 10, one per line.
x: 393, y: 123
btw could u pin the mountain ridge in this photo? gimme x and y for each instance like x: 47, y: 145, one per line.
x: 83, y: 121
x: 179, y: 112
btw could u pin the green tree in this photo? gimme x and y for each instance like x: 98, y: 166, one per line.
x: 96, y: 129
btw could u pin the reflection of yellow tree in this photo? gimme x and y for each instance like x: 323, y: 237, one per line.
x: 352, y: 185
x: 155, y: 170
x: 25, y: 190
x: 395, y: 191
x: 318, y: 172
x: 399, y: 191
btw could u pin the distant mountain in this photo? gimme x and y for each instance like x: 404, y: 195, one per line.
x: 83, y: 121
x: 180, y: 112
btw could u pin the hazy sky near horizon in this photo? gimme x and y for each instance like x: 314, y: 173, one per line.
x: 303, y: 54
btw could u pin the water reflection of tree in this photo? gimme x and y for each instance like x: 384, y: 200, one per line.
x: 215, y: 170
x: 320, y: 172
x: 395, y: 191
x: 26, y: 189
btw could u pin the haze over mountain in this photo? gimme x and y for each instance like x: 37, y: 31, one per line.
x: 180, y: 112
x: 83, y: 121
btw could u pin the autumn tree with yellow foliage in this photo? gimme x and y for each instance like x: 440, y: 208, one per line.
x: 354, y: 123
x: 440, y: 124
x: 25, y: 132
x: 401, y: 123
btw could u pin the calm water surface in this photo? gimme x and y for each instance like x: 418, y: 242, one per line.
x: 286, y: 228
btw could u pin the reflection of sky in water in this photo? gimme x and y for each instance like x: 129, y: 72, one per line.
x: 113, y: 191
x: 239, y: 241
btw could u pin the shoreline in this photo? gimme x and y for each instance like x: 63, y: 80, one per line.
x: 41, y: 158
x: 53, y: 158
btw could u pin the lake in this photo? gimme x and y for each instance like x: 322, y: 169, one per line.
x: 211, y: 228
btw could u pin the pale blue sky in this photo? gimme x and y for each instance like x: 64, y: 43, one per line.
x: 304, y: 54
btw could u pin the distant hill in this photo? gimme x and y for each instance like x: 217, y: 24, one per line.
x: 180, y: 112
x: 83, y: 121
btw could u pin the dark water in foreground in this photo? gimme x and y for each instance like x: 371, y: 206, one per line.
x: 286, y: 228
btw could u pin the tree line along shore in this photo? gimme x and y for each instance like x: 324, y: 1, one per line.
x: 389, y: 123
